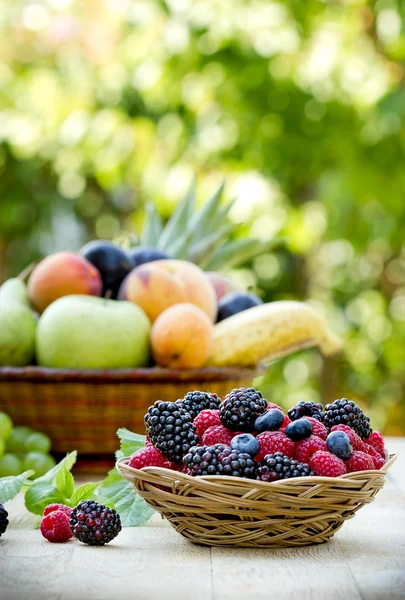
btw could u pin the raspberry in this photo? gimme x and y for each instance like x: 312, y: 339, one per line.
x: 327, y: 464
x: 148, y: 457
x: 271, y: 405
x: 53, y: 507
x: 55, y: 527
x: 378, y: 460
x: 318, y: 428
x: 204, y: 420
x: 218, y: 435
x: 304, y: 449
x: 359, y: 461
x: 274, y: 441
x: 284, y: 424
x: 376, y: 440
x: 355, y: 439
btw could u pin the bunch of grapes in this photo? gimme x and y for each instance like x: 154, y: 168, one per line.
x: 22, y: 448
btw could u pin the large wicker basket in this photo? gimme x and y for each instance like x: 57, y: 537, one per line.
x: 82, y: 410
x: 229, y: 511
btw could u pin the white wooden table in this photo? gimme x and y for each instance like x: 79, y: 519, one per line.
x: 365, y: 561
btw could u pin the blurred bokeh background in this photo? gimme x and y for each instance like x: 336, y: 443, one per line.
x: 105, y: 104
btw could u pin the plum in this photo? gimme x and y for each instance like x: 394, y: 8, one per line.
x: 145, y: 254
x: 111, y: 261
x: 235, y: 302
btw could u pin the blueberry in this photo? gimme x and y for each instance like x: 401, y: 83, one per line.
x: 271, y: 420
x: 245, y: 442
x: 299, y: 430
x: 235, y: 302
x: 339, y: 443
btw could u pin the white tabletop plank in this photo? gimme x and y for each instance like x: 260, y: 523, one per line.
x: 364, y: 561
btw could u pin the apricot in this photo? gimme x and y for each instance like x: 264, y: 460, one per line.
x: 222, y: 284
x: 62, y: 274
x: 182, y: 337
x: 156, y: 286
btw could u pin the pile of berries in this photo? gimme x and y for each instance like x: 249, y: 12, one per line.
x: 246, y: 436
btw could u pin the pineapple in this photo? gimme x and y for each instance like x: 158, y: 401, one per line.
x: 203, y: 236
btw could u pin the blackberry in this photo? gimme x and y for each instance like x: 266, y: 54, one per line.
x: 195, y: 402
x: 240, y: 409
x: 220, y: 460
x: 346, y: 412
x: 3, y: 519
x: 94, y: 524
x: 306, y: 409
x: 278, y: 466
x: 171, y: 430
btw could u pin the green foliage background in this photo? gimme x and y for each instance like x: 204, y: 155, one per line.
x: 300, y: 105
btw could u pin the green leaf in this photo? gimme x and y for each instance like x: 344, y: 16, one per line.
x: 130, y: 442
x: 118, y: 493
x: 202, y: 251
x: 237, y: 252
x: 153, y: 226
x: 65, y: 483
x: 205, y: 221
x: 178, y: 222
x: 10, y: 486
x: 84, y: 492
x: 180, y: 248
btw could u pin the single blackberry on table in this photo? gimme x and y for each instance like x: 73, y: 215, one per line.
x: 220, y: 460
x: 306, y: 409
x: 278, y: 466
x: 240, y: 409
x: 195, y: 402
x: 170, y: 428
x: 3, y: 519
x: 94, y: 524
x: 346, y: 412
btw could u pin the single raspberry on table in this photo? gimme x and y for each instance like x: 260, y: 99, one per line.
x: 148, y: 457
x: 218, y: 435
x: 326, y: 464
x: 206, y: 419
x: 304, y: 449
x: 355, y: 439
x: 53, y: 507
x: 55, y: 527
x: 359, y: 461
x: 274, y: 441
x: 376, y: 440
x: 378, y: 460
x: 318, y: 428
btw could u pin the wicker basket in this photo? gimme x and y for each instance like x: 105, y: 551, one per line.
x: 82, y: 410
x: 228, y: 511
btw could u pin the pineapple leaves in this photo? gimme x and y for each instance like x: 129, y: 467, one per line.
x: 153, y: 227
x: 205, y: 221
x: 178, y: 224
x: 237, y: 252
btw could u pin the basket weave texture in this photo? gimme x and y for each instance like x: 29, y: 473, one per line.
x: 83, y: 409
x: 230, y: 511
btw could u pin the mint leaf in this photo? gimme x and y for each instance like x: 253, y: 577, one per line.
x: 10, y: 486
x: 130, y: 442
x: 84, y: 492
x: 118, y: 493
x: 64, y: 482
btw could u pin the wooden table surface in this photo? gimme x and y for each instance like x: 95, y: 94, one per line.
x: 365, y: 560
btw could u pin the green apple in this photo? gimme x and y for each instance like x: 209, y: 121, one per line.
x: 14, y: 291
x: 17, y: 335
x: 85, y: 332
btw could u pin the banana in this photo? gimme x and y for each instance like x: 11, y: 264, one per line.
x: 269, y: 331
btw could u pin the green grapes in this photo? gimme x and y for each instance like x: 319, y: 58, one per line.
x: 10, y: 464
x: 18, y: 439
x: 2, y: 447
x: 6, y: 425
x: 38, y: 462
x: 38, y: 442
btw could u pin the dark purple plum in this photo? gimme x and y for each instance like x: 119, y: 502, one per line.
x: 111, y: 261
x: 145, y: 254
x: 235, y: 302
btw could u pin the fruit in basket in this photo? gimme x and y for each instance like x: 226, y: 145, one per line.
x: 17, y: 325
x: 206, y: 419
x: 240, y: 409
x: 306, y: 409
x: 3, y: 520
x: 6, y: 426
x: 111, y: 262
x: 171, y: 430
x: 299, y: 430
x: 338, y: 443
x: 217, y: 435
x: 274, y: 441
x: 245, y: 442
x: 271, y: 420
x: 268, y: 331
x: 277, y: 466
x: 346, y: 412
x: 220, y: 460
x: 139, y: 255
x: 81, y: 332
x: 195, y: 402
x: 376, y: 440
x: 359, y: 461
x: 236, y: 302
x: 158, y: 285
x: 222, y: 284
x: 147, y: 457
x: 62, y: 274
x: 181, y: 337
x: 318, y: 428
x: 94, y: 524
x: 304, y: 449
x: 326, y: 464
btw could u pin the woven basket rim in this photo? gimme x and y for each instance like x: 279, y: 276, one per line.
x: 124, y: 468
x: 142, y: 375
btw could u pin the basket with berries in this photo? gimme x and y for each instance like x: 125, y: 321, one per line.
x: 241, y: 472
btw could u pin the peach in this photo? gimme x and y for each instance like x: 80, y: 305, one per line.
x: 222, y: 284
x: 157, y: 285
x: 62, y: 274
x: 182, y: 337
